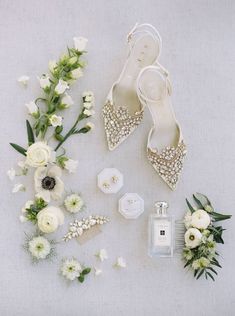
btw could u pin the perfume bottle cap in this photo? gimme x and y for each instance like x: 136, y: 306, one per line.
x: 161, y: 207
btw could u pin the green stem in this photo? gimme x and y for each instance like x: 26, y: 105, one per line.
x: 71, y: 131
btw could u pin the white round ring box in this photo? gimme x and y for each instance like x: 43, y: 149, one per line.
x: 131, y: 205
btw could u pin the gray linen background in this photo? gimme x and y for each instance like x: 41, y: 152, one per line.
x: 198, y: 49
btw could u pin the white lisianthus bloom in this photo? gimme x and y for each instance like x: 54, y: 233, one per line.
x: 188, y: 219
x: 192, y: 238
x: 80, y: 43
x: 18, y: 187
x: 61, y: 87
x: 23, y: 219
x: 49, y: 219
x: 11, y: 173
x: 38, y: 155
x: 32, y: 108
x: 102, y: 255
x: 48, y: 184
x: 66, y: 101
x: 89, y: 112
x: 76, y: 73
x: 71, y: 165
x: 97, y: 271
x: 200, y: 263
x: 44, y: 81
x: 200, y: 219
x: 73, y: 203
x: 52, y: 65
x: 39, y: 247
x: 56, y: 120
x: 71, y: 269
x: 90, y: 125
x: 24, y: 80
x: 121, y: 263
x: 27, y: 206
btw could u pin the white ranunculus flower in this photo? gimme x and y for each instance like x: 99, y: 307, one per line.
x: 49, y: 219
x: 27, y: 206
x: 71, y: 269
x: 24, y: 80
x: 48, y: 184
x: 121, y: 263
x: 80, y: 43
x: 73, y: 203
x: 66, y: 100
x: 89, y: 112
x: 71, y: 165
x: 76, y: 73
x: 188, y: 219
x: 18, y: 187
x: 44, y: 81
x: 11, y: 173
x: 102, y: 255
x: 61, y: 87
x: 38, y: 154
x: 52, y: 65
x: 56, y: 120
x: 32, y: 108
x: 39, y: 247
x: 192, y: 238
x: 200, y: 219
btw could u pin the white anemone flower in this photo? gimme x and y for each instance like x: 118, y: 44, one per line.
x: 48, y: 184
x: 192, y: 238
x: 39, y: 247
x: 71, y: 269
x: 200, y: 219
x: 73, y: 203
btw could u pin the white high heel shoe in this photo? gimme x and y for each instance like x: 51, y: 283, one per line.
x: 123, y: 111
x: 165, y: 148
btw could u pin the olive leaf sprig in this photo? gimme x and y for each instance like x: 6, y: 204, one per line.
x: 200, y: 251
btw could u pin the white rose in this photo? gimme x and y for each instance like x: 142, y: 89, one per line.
x: 61, y: 87
x: 80, y: 43
x: 49, y: 219
x: 192, y: 238
x: 32, y: 108
x: 71, y: 165
x: 45, y: 81
x: 76, y: 73
x: 56, y: 120
x: 38, y: 154
x: 67, y: 101
x: 200, y: 219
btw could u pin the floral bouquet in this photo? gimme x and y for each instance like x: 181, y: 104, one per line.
x: 201, y: 238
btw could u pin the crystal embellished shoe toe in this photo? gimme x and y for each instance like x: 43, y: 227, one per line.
x: 165, y: 148
x: 123, y: 111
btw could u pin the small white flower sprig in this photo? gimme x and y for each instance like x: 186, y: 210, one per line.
x: 71, y: 269
x: 39, y: 247
x: 201, y: 237
x: 78, y: 227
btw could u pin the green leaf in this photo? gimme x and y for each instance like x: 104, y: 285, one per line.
x: 200, y: 205
x: 86, y: 271
x: 200, y: 274
x: 219, y: 217
x: 202, y: 196
x: 81, y: 278
x: 213, y: 270
x: 190, y: 206
x: 30, y: 133
x: 210, y: 275
x: 187, y: 264
x: 18, y: 148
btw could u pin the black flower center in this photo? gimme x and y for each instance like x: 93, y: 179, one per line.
x: 191, y: 237
x: 48, y: 183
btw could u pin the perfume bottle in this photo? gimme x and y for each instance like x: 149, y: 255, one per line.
x: 160, y: 232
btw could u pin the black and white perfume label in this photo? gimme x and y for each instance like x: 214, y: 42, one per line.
x: 162, y: 233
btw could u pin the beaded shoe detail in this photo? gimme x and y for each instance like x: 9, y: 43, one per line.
x: 168, y: 163
x: 119, y: 124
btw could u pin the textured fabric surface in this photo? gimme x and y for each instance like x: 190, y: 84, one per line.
x: 198, y: 49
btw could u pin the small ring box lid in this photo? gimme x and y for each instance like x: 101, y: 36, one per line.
x: 131, y: 205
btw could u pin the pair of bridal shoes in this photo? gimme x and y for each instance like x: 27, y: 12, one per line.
x: 144, y: 83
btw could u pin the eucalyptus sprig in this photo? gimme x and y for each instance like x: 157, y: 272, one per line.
x: 202, y: 234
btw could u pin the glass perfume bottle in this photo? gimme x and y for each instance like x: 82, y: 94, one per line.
x: 160, y: 232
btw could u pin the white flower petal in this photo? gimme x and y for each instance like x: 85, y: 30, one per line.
x: 18, y: 187
x: 24, y: 80
x: 97, y: 271
x: 54, y: 171
x: 11, y: 173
